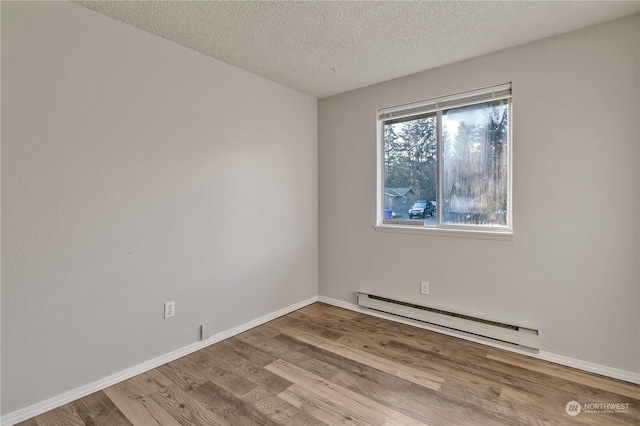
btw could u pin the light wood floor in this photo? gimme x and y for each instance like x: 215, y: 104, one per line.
x: 325, y: 365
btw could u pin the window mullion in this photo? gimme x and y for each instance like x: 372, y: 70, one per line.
x: 439, y: 180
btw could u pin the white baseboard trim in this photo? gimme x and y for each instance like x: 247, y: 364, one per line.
x: 57, y: 401
x: 590, y: 367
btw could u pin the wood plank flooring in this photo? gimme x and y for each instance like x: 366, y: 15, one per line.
x: 325, y: 365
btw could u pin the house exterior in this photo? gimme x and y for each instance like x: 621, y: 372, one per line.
x: 399, y: 200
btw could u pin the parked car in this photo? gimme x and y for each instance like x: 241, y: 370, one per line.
x: 421, y: 209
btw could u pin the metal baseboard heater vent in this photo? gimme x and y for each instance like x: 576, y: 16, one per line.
x: 516, y: 334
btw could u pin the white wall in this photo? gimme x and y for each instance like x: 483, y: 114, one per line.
x: 135, y: 171
x: 573, y: 267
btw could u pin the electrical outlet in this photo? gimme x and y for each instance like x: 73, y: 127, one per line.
x: 169, y: 309
x: 424, y: 287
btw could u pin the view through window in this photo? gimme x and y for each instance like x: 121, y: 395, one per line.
x: 446, y: 162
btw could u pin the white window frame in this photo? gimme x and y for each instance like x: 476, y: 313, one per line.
x: 436, y: 106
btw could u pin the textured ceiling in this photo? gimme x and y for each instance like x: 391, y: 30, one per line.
x: 323, y: 47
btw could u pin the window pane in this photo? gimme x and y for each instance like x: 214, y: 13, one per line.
x: 410, y: 169
x: 475, y: 164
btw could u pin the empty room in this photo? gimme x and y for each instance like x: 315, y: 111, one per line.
x: 320, y: 212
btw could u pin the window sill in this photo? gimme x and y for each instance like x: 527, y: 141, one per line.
x: 447, y: 232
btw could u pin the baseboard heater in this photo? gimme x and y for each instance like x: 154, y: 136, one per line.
x: 516, y: 334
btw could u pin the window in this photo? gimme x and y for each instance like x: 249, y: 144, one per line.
x: 454, y: 154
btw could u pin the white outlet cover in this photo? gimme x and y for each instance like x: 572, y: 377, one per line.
x: 169, y: 309
x: 424, y: 287
x: 205, y: 331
